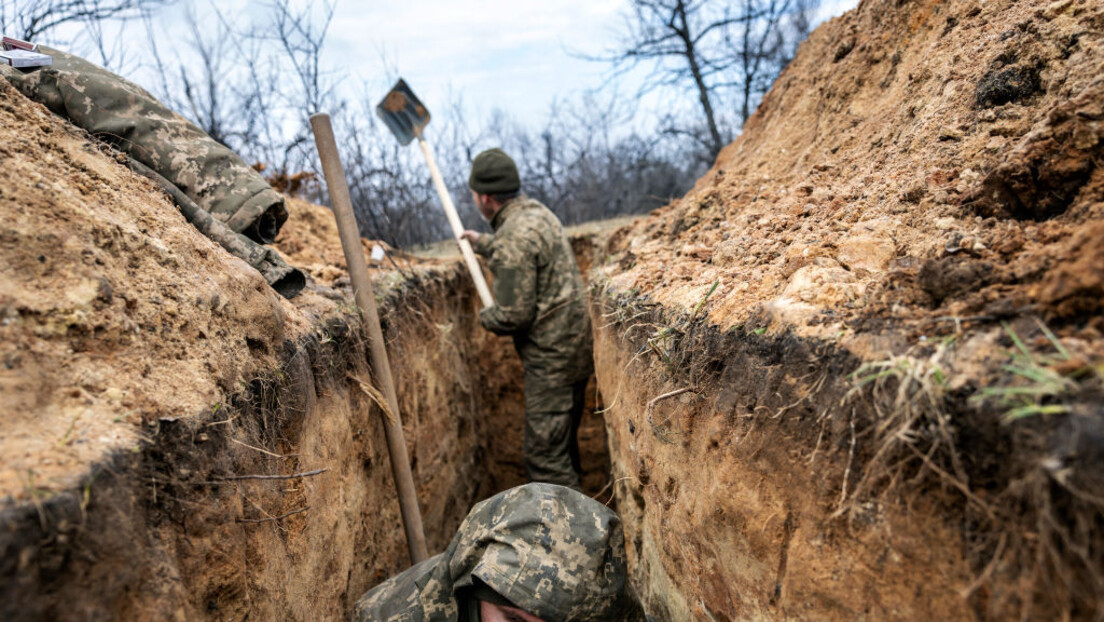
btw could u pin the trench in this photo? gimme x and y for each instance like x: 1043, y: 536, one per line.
x: 181, y: 528
x: 719, y: 458
x: 728, y: 455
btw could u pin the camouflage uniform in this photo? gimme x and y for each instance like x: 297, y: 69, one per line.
x: 552, y: 552
x: 217, y: 192
x: 124, y: 114
x: 541, y: 302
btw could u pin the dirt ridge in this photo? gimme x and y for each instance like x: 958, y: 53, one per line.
x: 920, y: 190
x: 160, y: 531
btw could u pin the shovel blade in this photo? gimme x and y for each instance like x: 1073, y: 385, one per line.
x: 403, y: 113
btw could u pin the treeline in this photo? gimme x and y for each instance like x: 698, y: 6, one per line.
x: 253, y: 82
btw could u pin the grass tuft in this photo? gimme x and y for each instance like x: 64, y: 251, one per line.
x: 1039, y: 386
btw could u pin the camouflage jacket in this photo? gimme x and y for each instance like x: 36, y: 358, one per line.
x: 539, y: 295
x: 124, y: 114
x: 550, y: 550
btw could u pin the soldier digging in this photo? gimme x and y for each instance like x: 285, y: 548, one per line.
x: 540, y: 302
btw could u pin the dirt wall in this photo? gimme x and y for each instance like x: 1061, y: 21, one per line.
x: 180, y: 442
x: 729, y: 463
x: 914, y: 208
x: 166, y: 532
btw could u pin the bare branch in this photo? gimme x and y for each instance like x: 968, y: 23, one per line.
x: 31, y: 19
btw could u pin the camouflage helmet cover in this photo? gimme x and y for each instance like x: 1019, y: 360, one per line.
x: 550, y: 550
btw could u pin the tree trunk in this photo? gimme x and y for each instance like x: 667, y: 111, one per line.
x: 716, y: 144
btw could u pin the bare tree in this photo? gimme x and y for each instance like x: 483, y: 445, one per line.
x: 251, y: 81
x: 763, y: 43
x: 302, y: 35
x: 31, y: 19
x: 678, y: 38
x: 210, y: 75
x: 584, y: 165
x: 711, y: 46
x: 204, y: 90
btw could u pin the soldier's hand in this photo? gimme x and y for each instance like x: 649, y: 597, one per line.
x: 471, y: 236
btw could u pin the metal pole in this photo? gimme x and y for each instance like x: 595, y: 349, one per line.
x: 457, y: 227
x: 366, y: 301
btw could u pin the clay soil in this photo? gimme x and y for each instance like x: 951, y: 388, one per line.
x: 144, y: 369
x: 888, y: 174
x: 880, y: 316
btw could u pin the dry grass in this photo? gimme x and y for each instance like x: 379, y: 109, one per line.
x: 1042, y: 529
x: 911, y: 424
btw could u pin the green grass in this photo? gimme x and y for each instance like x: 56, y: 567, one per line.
x: 1038, y: 389
x: 701, y: 303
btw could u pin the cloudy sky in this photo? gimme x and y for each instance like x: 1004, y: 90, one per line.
x: 518, y: 56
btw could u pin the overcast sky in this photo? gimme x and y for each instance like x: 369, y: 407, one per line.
x: 515, y: 55
x: 518, y: 56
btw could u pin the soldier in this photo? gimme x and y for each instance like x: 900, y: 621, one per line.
x: 540, y: 302
x: 538, y: 552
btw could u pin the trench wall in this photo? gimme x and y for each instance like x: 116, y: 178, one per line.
x: 730, y: 451
x: 162, y: 533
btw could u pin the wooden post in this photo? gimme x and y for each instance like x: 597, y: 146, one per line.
x: 366, y: 301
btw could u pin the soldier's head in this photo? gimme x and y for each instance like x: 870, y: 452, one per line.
x: 494, y: 180
x: 543, y: 552
x: 534, y: 553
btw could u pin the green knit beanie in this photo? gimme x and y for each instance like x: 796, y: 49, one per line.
x: 494, y: 172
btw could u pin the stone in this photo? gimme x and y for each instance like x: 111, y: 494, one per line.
x: 871, y: 252
x: 823, y: 286
x: 1054, y: 9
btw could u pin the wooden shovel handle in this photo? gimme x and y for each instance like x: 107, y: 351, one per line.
x: 457, y: 226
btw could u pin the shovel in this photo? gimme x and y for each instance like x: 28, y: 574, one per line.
x: 406, y: 117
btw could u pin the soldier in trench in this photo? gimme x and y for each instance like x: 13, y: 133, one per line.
x: 540, y: 302
x: 535, y: 553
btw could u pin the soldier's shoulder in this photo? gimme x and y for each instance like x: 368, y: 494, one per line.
x: 536, y: 218
x: 402, y: 597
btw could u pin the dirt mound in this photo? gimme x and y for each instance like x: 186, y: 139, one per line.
x: 313, y: 244
x: 109, y: 298
x: 958, y: 139
x: 883, y: 306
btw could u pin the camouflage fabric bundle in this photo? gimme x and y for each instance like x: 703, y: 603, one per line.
x: 217, y: 193
x: 124, y: 114
x: 551, y: 551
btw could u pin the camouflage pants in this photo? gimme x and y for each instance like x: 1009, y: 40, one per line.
x: 552, y: 417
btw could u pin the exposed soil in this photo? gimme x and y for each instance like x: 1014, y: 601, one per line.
x: 145, y: 369
x: 730, y: 489
x: 883, y: 309
x: 105, y: 289
x: 858, y: 176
